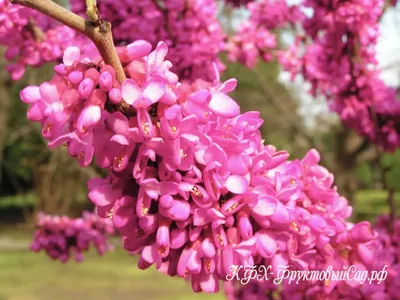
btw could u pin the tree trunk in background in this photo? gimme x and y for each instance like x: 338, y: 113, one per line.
x: 347, y: 184
x: 346, y: 164
x: 5, y: 104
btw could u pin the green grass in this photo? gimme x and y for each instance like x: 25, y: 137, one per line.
x: 17, y: 201
x: 31, y: 276
x: 371, y: 203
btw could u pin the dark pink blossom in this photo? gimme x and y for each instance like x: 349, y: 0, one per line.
x: 63, y: 238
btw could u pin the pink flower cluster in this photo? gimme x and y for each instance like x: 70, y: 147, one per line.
x: 189, y: 28
x: 334, y: 50
x: 62, y: 237
x: 190, y: 185
x: 356, y: 246
x: 32, y: 38
x: 256, y: 37
x: 341, y: 64
x: 339, y: 60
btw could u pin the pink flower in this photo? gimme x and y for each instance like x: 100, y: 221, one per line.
x: 141, y: 99
x: 62, y: 237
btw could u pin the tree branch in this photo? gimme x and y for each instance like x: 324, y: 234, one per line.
x: 361, y: 148
x: 384, y: 175
x: 5, y: 110
x: 385, y: 184
x: 98, y: 32
x: 392, y: 204
x: 37, y: 33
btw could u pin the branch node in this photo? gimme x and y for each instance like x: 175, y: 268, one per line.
x: 105, y: 27
x: 36, y: 31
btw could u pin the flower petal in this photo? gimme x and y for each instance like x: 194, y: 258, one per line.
x: 30, y: 94
x: 103, y: 195
x: 265, y: 206
x: 88, y: 118
x: 71, y: 55
x: 49, y: 92
x: 237, y: 184
x: 224, y: 106
x: 138, y: 49
x: 130, y: 91
x: 153, y: 91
